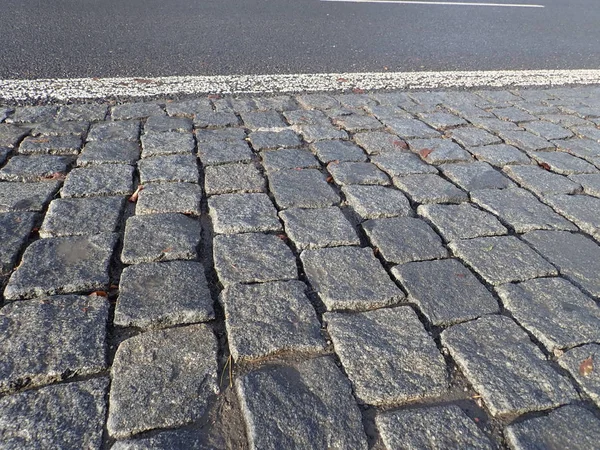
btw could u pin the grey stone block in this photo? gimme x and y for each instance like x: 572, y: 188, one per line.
x: 462, y: 221
x: 411, y: 128
x: 169, y: 143
x: 328, y: 151
x: 582, y: 210
x: 173, y: 168
x: 135, y: 111
x: 494, y: 125
x: 262, y: 119
x: 214, y: 119
x: 378, y: 142
x: 542, y: 182
x: 160, y: 237
x: 125, y: 130
x: 87, y: 112
x: 51, y: 145
x: 434, y: 428
x: 476, y: 175
x: 15, y: 228
x: 308, y: 406
x: 26, y: 196
x: 304, y: 188
x: 110, y: 151
x: 557, y: 313
x: 400, y: 164
x: 576, y: 257
x: 502, y: 259
x: 441, y: 120
x: 101, y: 180
x: 60, y: 128
x: 357, y: 173
x: 388, y: 355
x: 269, y: 319
x: 189, y: 108
x: 520, y: 209
x: 271, y: 140
x: 225, y: 134
x: 564, y: 163
x: 355, y: 100
x: 500, y: 155
x: 582, y: 148
x: 567, y: 427
x: 189, y: 439
x: 181, y: 198
x: 589, y: 181
x: 512, y: 375
x: 320, y: 227
x: 233, y: 178
x: 313, y: 133
x: 428, y: 282
x: 65, y: 416
x: 349, y: 278
x: 4, y: 152
x: 547, y: 130
x: 63, y: 266
x: 31, y: 168
x: 429, y: 189
x: 525, y: 140
x: 164, y: 124
x: 374, y: 202
x: 224, y: 152
x: 592, y: 133
x: 33, y: 114
x: 163, y: 294
x: 153, y: 375
x: 404, y: 239
x: 82, y: 216
x: 439, y: 151
x: 317, y: 101
x: 306, y: 117
x: 572, y: 360
x: 10, y: 135
x: 564, y: 120
x: 277, y: 102
x: 513, y: 114
x: 288, y: 158
x: 473, y: 137
x: 235, y: 104
x: 252, y: 258
x: 74, y: 340
x: 243, y: 213
x: 357, y: 122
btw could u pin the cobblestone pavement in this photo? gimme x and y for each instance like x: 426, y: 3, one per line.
x: 342, y: 271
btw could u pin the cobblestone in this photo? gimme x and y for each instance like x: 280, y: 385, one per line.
x: 135, y: 111
x: 15, y: 228
x: 272, y: 140
x: 525, y: 140
x: 60, y: 129
x: 542, y: 182
x: 102, y: 180
x: 168, y: 143
x: 304, y: 188
x: 189, y: 108
x: 181, y: 198
x: 589, y: 181
x: 243, y: 213
x: 499, y: 155
x: 288, y: 158
x: 328, y: 151
x: 173, y: 168
x: 441, y: 120
x: 88, y: 113
x: 357, y: 122
x: 439, y: 151
x: 52, y: 145
x: 563, y: 163
x: 26, y: 197
x: 314, y: 133
x: 212, y: 119
x: 262, y: 119
x: 582, y: 210
x: 476, y: 175
x: 375, y: 202
x: 165, y: 124
x: 411, y: 128
x: 225, y: 134
x: 378, y: 142
x: 572, y: 359
x: 125, y: 130
x: 33, y: 114
x: 357, y: 173
x: 547, y: 130
x: 224, y: 152
x: 430, y: 189
x: 233, y: 178
x: 111, y: 151
x: 400, y: 164
x: 473, y: 137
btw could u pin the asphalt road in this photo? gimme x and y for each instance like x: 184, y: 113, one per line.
x: 102, y: 38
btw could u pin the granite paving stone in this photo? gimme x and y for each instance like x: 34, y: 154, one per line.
x: 520, y: 209
x: 188, y: 108
x: 357, y: 122
x: 160, y: 237
x: 357, y: 173
x: 319, y: 227
x: 262, y: 119
x: 153, y: 375
x: 88, y: 113
x: 386, y: 112
x: 233, y: 178
x: 65, y: 416
x: 462, y: 221
x: 569, y: 427
x: 378, y: 142
x: 355, y: 100
x: 582, y: 148
x: 442, y: 120
x: 349, y: 278
x: 494, y: 125
x: 404, y: 239
x: 557, y: 313
x: 15, y: 228
x: 60, y: 128
x: 582, y: 210
x: 158, y: 295
x: 307, y: 406
x: 253, y: 258
x: 476, y: 175
x: 74, y: 340
x: 388, y: 356
x: 473, y: 137
x: 181, y: 198
x: 306, y: 188
x: 576, y: 256
x: 167, y: 143
x: 564, y: 120
x: 238, y: 105
x: 434, y: 428
x: 589, y: 181
x: 224, y: 134
x: 270, y: 319
x: 271, y: 140
x: 525, y: 140
x: 411, y: 128
x: 26, y: 196
x: 502, y: 259
x: 10, y: 135
x: 4, y: 113
x: 374, y: 202
x: 288, y: 158
x: 31, y: 168
x: 243, y: 213
x: 592, y: 133
x: 63, y: 266
x: 429, y: 188
x: 277, y: 102
x: 328, y: 151
x: 445, y: 291
x: 126, y: 130
x: 4, y: 152
x: 111, y: 151
x: 572, y: 360
x: 138, y: 110
x: 317, y: 101
x: 51, y: 145
x: 499, y: 155
x: 101, y: 180
x: 513, y: 114
x: 82, y: 216
x: 314, y: 133
x: 509, y: 372
x: 542, y: 182
x: 564, y: 163
x: 439, y: 151
x: 188, y: 439
x: 400, y: 163
x: 172, y: 168
x: 40, y: 113
x: 215, y: 119
x: 306, y: 117
x: 547, y: 130
x: 223, y: 152
x: 165, y: 124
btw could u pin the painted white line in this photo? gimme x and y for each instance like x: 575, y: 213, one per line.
x: 410, y: 2
x: 101, y: 88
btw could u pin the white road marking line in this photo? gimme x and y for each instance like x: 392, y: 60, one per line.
x: 410, y: 2
x: 101, y: 88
